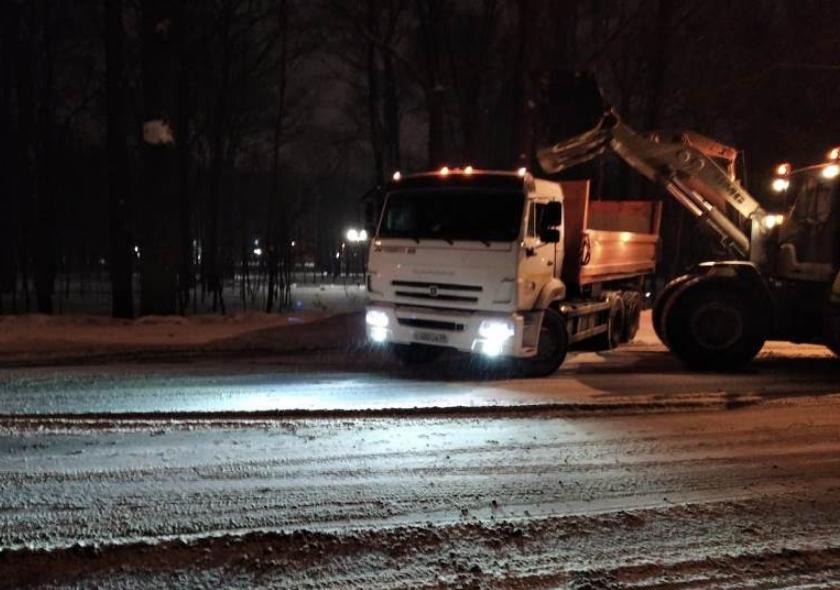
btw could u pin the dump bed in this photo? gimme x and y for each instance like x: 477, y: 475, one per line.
x: 607, y: 240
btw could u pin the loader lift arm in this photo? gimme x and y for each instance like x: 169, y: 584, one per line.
x: 684, y: 165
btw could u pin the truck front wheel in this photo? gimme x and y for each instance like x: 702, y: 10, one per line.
x: 712, y: 329
x: 551, y: 348
x: 416, y: 354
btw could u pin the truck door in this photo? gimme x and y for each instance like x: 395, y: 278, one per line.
x: 538, y: 263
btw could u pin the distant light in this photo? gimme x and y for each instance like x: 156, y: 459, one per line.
x: 780, y: 184
x: 648, y: 294
x: 834, y: 154
x: 338, y: 254
x: 257, y: 251
x: 783, y: 169
x: 468, y: 170
x: 137, y: 249
x: 522, y: 171
x: 444, y: 171
x: 831, y: 171
x: 354, y: 236
x: 256, y: 242
x: 293, y: 243
x: 397, y: 176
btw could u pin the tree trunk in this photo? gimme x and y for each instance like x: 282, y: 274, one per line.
x: 159, y: 245
x: 121, y: 252
x: 519, y: 114
x: 44, y: 247
x: 391, y: 109
x: 217, y: 162
x: 8, y: 195
x: 430, y: 14
x: 276, y: 237
x: 186, y: 276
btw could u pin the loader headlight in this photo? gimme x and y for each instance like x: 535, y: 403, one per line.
x: 780, y: 184
x: 772, y: 220
x: 376, y: 318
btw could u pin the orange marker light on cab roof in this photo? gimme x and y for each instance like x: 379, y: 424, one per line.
x: 444, y: 171
x: 783, y: 169
x: 834, y: 154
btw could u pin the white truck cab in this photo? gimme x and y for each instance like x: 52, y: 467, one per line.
x: 473, y: 261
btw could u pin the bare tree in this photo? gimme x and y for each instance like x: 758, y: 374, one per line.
x: 121, y: 253
x: 159, y: 244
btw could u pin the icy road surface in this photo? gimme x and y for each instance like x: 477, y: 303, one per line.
x: 621, y: 471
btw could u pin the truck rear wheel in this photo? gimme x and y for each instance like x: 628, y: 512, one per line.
x: 632, y: 314
x: 551, y: 349
x: 416, y: 354
x: 615, y: 327
x: 712, y: 329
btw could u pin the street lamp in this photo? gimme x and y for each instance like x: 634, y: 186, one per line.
x: 355, y: 237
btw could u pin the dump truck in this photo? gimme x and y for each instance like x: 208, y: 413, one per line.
x: 780, y: 278
x: 507, y: 266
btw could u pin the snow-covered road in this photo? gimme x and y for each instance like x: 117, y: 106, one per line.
x: 622, y: 470
x: 726, y: 498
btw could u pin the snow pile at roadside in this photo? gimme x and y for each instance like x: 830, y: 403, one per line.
x: 36, y: 335
x: 39, y: 333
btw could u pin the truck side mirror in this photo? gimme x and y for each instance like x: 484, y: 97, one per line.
x: 550, y: 236
x: 552, y: 215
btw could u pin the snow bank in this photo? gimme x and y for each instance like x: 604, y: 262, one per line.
x: 31, y: 334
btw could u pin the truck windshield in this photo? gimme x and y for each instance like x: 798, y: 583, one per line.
x: 456, y: 214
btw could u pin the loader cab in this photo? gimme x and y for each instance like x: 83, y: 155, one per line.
x: 809, y: 236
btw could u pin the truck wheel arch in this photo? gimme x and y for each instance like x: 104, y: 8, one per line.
x: 552, y: 293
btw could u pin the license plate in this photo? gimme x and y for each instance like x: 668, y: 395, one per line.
x: 431, y: 337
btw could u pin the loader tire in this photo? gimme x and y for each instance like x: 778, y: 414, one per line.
x: 662, y: 301
x: 710, y: 328
x: 832, y: 327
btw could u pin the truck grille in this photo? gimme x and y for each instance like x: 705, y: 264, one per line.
x: 438, y: 291
x: 440, y: 286
x: 431, y: 324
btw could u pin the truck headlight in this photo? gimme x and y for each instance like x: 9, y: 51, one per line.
x: 496, y: 329
x: 376, y: 318
x: 495, y: 333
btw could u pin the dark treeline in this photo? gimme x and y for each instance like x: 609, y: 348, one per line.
x: 165, y: 142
